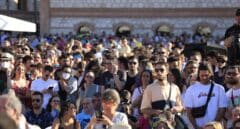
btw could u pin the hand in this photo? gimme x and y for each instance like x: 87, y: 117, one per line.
x: 228, y: 41
x: 174, y: 110
x: 105, y: 120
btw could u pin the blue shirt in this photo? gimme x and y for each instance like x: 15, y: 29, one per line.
x: 83, y: 119
x: 44, y: 119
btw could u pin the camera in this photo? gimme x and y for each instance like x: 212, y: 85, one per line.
x: 99, y: 114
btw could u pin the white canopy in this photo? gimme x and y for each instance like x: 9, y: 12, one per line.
x: 14, y: 24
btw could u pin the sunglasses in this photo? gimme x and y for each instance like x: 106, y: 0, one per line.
x: 36, y: 100
x: 133, y: 63
x: 232, y: 73
x: 159, y: 70
x: 56, y: 101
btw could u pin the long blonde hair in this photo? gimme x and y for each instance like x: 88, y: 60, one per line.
x: 214, y: 124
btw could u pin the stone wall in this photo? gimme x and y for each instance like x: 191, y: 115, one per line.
x: 140, y: 25
x: 144, y: 3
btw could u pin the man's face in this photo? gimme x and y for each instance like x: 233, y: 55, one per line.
x: 232, y: 76
x: 87, y: 105
x: 96, y: 101
x: 161, y: 71
x: 46, y: 74
x: 192, y: 68
x: 204, y: 76
x: 37, y: 101
x: 133, y: 64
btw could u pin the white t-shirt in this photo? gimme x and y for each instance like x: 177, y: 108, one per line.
x: 196, y: 96
x: 136, y: 93
x: 233, y: 94
x: 40, y: 85
x: 119, y: 118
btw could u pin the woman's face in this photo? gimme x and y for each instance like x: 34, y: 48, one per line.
x: 145, y: 77
x: 72, y: 110
x: 20, y: 70
x: 171, y: 78
x: 109, y: 106
x: 89, y: 78
x: 55, y: 103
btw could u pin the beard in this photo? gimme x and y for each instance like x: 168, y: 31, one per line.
x: 233, y: 81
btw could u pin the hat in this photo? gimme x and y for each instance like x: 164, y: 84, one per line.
x: 238, y: 12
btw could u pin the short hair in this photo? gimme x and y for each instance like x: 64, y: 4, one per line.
x: 162, y: 63
x: 233, y: 67
x: 26, y: 58
x: 48, y: 68
x: 205, y: 66
x: 111, y: 95
x: 37, y: 93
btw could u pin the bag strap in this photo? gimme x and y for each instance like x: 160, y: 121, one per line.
x: 233, y: 99
x: 209, y: 93
x: 169, y: 96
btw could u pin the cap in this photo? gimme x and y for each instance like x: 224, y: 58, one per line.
x: 238, y: 12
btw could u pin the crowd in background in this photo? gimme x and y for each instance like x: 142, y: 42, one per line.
x: 67, y: 81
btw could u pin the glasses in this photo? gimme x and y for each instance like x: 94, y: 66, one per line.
x: 36, y: 100
x: 132, y: 63
x: 232, y: 73
x: 159, y: 70
x: 161, y: 53
x: 222, y: 61
x: 89, y: 76
x: 56, y: 101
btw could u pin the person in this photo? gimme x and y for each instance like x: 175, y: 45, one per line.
x: 196, y: 96
x: 11, y: 106
x: 20, y: 85
x: 66, y: 119
x: 87, y: 112
x: 213, y: 125
x: 54, y: 106
x: 38, y: 115
x: 235, y: 115
x: 45, y: 85
x: 162, y: 121
x: 236, y: 124
x: 146, y: 78
x: 232, y: 77
x: 67, y: 85
x: 161, y: 94
x: 96, y: 101
x: 4, y: 79
x: 108, y: 116
x: 132, y: 73
x: 231, y: 40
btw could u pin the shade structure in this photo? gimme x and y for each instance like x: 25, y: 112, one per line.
x: 13, y: 24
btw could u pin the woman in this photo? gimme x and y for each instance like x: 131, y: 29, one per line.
x: 88, y: 88
x: 66, y: 119
x: 108, y: 116
x: 213, y: 125
x: 54, y: 106
x: 174, y: 76
x: 20, y: 85
x: 146, y: 78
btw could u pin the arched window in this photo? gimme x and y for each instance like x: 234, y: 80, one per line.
x: 163, y: 30
x: 204, y: 30
x: 84, y: 30
x: 123, y: 30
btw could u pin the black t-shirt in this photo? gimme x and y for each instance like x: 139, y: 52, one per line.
x: 107, y: 79
x: 130, y: 82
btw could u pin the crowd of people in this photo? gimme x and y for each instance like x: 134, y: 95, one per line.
x: 99, y: 81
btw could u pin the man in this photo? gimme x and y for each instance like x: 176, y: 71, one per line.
x: 157, y: 93
x: 112, y: 78
x: 39, y: 115
x: 45, y: 85
x: 85, y: 116
x: 232, y: 36
x: 132, y: 73
x: 11, y: 106
x: 196, y: 96
x: 67, y: 85
x: 96, y: 101
x: 232, y: 78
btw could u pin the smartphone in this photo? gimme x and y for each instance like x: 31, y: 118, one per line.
x: 50, y: 88
x: 99, y: 114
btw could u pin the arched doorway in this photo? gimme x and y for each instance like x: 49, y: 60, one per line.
x: 123, y: 31
x: 163, y: 30
x: 83, y: 30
